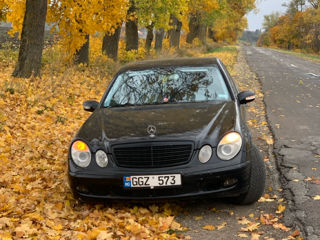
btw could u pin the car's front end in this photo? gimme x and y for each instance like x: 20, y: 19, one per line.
x: 151, y: 151
x: 213, y: 159
x: 192, y: 179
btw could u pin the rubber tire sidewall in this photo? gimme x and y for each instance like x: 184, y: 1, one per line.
x: 257, y: 179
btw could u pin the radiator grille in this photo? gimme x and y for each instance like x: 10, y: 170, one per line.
x: 152, y: 155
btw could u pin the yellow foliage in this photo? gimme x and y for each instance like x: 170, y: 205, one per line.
x: 39, y: 118
x: 73, y: 20
x: 158, y: 12
x: 15, y: 14
x: 132, y: 55
x: 203, y: 6
x: 3, y: 10
x: 295, y: 31
x: 209, y: 227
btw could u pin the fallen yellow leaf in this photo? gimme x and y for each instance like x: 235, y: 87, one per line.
x: 209, y: 227
x: 222, y: 225
x: 281, y: 226
x: 281, y: 208
x: 242, y: 235
x: 251, y: 228
x: 317, y: 197
x: 243, y: 221
x: 263, y: 199
x: 255, y: 236
x: 197, y: 218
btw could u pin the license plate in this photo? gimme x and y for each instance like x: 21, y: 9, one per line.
x: 152, y: 181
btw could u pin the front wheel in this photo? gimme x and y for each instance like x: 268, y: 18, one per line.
x: 257, y: 179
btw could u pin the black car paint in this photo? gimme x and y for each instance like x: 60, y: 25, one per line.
x: 203, y: 123
x: 107, y: 127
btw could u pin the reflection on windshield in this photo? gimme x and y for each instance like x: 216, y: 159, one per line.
x: 167, y: 85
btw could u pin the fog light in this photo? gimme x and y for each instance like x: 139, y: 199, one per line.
x: 82, y: 188
x: 205, y: 154
x: 101, y: 158
x: 229, y: 182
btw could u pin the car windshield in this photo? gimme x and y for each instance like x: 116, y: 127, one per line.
x: 167, y: 85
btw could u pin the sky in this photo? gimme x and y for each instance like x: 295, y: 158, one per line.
x: 264, y: 7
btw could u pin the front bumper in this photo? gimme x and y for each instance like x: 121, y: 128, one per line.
x: 194, y: 183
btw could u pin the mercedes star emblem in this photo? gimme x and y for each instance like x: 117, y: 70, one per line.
x: 151, y: 130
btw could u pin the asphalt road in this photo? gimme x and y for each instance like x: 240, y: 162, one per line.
x: 223, y: 217
x: 291, y: 87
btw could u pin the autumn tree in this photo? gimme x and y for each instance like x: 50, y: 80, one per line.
x: 294, y: 6
x: 111, y: 38
x: 270, y: 20
x: 81, y: 55
x: 73, y: 22
x: 296, y: 29
x: 199, y: 10
x: 32, y: 36
x: 132, y: 38
x: 175, y: 32
x: 314, y: 3
x: 310, y: 29
x: 158, y: 41
x: 110, y: 43
x: 230, y: 20
x: 149, y: 37
x: 162, y: 15
x: 224, y: 18
x: 3, y: 10
x: 13, y: 11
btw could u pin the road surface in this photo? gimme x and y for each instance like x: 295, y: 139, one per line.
x: 291, y: 87
x: 231, y: 221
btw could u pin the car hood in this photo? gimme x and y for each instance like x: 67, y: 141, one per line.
x: 199, y: 122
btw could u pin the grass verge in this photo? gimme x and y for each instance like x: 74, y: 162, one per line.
x: 308, y: 56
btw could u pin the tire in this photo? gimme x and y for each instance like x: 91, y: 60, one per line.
x: 257, y: 179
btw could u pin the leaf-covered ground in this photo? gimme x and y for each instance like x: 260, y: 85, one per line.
x: 38, y: 118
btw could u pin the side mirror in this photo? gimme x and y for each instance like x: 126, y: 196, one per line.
x: 246, y: 97
x: 90, y: 105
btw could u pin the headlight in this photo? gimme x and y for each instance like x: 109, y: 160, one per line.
x: 205, y: 154
x: 229, y: 146
x: 101, y: 158
x: 80, y: 154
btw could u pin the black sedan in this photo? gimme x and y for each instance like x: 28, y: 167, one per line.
x: 166, y: 129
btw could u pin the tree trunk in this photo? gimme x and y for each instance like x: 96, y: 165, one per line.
x: 32, y: 36
x: 202, y: 33
x: 159, y: 38
x: 110, y: 44
x: 149, y: 38
x: 317, y: 41
x: 211, y: 34
x: 174, y: 33
x: 132, y: 38
x: 193, y: 29
x: 82, y: 55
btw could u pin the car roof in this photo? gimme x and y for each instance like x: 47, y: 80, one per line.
x: 176, y: 62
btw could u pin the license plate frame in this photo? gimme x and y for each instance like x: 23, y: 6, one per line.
x: 152, y: 181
